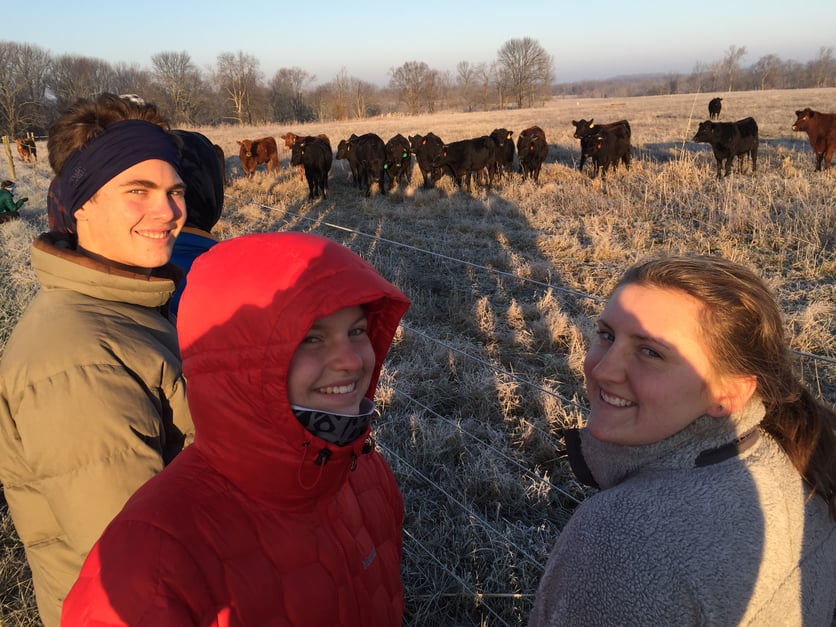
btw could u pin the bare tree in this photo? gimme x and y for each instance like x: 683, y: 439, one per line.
x: 466, y: 82
x: 362, y: 92
x: 415, y: 83
x: 287, y: 95
x: 731, y: 64
x: 132, y: 79
x: 767, y: 72
x: 527, y: 69
x: 823, y: 68
x: 23, y: 72
x: 237, y: 76
x: 75, y: 77
x: 181, y: 85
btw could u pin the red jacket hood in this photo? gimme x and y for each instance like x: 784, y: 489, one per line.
x: 248, y: 304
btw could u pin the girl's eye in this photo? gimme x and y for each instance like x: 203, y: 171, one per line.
x: 310, y: 339
x: 605, y: 336
x: 649, y: 352
x: 177, y: 192
x: 357, y: 331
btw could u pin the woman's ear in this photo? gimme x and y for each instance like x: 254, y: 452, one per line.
x: 735, y: 393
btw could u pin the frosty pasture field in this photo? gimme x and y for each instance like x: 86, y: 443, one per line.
x: 506, y: 284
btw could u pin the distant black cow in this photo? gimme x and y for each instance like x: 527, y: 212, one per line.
x: 821, y: 130
x: 315, y: 154
x: 584, y: 128
x: 729, y: 140
x: 398, y: 160
x: 427, y: 149
x: 606, y: 149
x: 504, y: 162
x: 462, y: 159
x: 370, y: 152
x: 714, y: 106
x: 532, y: 150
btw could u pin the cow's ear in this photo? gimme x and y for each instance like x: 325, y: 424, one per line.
x: 575, y: 123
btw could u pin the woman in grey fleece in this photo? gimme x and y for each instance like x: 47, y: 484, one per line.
x: 717, y: 467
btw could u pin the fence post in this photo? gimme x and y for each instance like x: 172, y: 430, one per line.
x: 9, y: 157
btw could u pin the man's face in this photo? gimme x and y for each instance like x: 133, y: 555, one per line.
x: 135, y: 217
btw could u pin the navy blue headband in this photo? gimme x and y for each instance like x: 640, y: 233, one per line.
x: 118, y: 147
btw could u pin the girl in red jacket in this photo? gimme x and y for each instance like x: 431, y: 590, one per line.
x: 282, y: 512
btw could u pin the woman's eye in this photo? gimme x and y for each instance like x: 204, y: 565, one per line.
x: 311, y: 339
x: 651, y: 353
x: 357, y: 331
x: 605, y: 336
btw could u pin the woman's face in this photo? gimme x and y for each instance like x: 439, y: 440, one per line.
x: 333, y: 366
x: 648, y: 371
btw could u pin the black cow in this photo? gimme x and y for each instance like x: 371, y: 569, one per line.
x: 346, y: 151
x: 606, y: 148
x: 504, y: 151
x: 315, y: 154
x: 427, y: 149
x: 398, y: 160
x: 371, y: 156
x: 584, y: 128
x: 729, y: 140
x: 532, y: 150
x: 714, y: 106
x: 461, y: 159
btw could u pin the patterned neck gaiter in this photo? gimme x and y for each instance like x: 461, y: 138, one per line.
x: 339, y: 429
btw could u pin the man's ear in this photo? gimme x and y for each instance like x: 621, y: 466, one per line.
x: 735, y: 393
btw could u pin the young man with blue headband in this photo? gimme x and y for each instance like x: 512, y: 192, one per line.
x: 92, y: 398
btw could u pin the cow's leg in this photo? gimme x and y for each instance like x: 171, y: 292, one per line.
x: 828, y: 156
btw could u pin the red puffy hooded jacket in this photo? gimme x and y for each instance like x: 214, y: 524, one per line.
x: 253, y: 524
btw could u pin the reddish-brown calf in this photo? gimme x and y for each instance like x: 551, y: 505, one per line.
x: 26, y: 149
x: 256, y: 151
x: 821, y: 129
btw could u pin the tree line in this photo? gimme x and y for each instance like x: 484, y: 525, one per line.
x: 36, y: 85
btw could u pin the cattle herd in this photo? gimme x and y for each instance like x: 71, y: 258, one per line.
x: 491, y: 157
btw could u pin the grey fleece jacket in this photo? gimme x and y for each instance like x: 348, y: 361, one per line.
x: 732, y: 539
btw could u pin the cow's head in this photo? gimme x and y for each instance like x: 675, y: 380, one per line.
x: 583, y: 127
x: 705, y: 132
x: 803, y: 117
x: 246, y: 148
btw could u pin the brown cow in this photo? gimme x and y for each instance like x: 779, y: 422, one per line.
x: 256, y: 151
x: 290, y: 141
x: 821, y: 129
x: 26, y: 149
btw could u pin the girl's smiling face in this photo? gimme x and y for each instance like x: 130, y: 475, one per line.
x: 648, y: 371
x: 332, y: 368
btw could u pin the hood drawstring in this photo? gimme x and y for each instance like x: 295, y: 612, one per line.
x: 321, y: 460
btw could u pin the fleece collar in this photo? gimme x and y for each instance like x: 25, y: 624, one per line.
x: 705, y: 441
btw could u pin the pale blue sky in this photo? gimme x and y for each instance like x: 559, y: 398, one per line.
x: 588, y: 40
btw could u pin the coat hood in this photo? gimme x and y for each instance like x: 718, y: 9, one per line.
x: 202, y: 169
x: 247, y: 306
